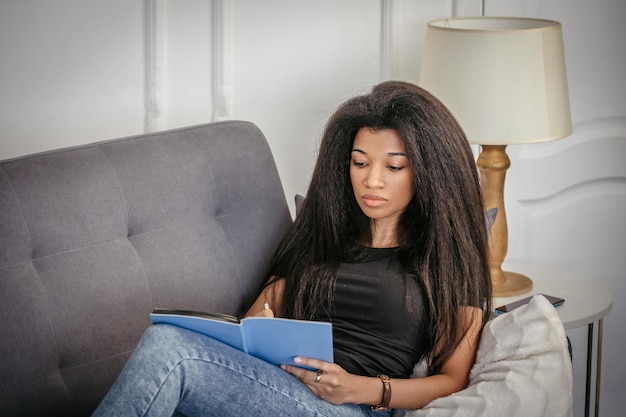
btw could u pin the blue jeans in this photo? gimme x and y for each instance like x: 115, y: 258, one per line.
x: 176, y: 372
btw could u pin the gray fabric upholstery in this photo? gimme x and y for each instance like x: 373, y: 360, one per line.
x: 93, y: 237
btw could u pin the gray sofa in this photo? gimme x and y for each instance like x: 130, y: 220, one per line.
x: 93, y: 237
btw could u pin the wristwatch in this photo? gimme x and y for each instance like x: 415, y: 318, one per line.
x: 384, y: 402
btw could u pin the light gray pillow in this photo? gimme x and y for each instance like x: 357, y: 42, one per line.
x: 522, y: 369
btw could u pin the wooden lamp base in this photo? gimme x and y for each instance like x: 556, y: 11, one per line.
x: 513, y: 284
x: 493, y: 163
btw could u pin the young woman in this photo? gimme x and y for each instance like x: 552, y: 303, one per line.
x: 390, y: 246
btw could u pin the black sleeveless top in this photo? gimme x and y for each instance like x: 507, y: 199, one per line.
x: 374, y: 329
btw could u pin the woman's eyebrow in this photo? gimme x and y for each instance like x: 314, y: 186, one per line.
x: 388, y: 153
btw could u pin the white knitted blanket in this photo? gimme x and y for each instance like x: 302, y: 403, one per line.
x: 522, y: 369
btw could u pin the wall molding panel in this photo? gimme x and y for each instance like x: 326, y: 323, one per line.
x: 386, y: 39
x: 222, y: 59
x: 591, y: 153
x: 155, y: 65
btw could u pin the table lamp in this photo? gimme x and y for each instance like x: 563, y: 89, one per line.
x: 504, y: 80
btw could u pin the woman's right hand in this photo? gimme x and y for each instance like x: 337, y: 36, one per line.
x: 268, y: 301
x: 266, y: 312
x: 260, y: 310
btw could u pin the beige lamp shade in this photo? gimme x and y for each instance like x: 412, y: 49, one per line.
x: 504, y: 79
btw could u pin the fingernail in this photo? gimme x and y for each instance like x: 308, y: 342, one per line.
x: 297, y: 359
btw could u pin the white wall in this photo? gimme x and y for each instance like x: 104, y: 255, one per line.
x: 77, y: 72
x: 70, y: 72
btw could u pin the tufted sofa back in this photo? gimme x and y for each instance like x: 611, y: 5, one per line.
x: 93, y: 237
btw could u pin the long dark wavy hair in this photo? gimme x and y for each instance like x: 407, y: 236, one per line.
x: 442, y: 232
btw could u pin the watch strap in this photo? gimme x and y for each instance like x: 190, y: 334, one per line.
x: 384, y: 402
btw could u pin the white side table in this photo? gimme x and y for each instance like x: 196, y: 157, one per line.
x: 586, y: 302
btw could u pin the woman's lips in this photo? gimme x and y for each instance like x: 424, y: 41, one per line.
x: 374, y: 200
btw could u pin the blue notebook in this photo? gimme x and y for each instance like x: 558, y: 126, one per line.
x: 275, y: 340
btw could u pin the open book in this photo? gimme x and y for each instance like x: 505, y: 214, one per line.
x: 274, y: 340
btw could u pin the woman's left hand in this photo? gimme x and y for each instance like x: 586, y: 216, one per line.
x: 331, y: 382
